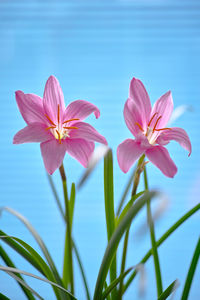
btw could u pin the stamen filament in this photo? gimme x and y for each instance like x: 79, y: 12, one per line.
x: 156, y: 123
x: 152, y: 119
x: 58, y: 113
x: 70, y: 120
x: 50, y: 127
x: 58, y: 136
x: 72, y: 127
x: 140, y: 127
x: 50, y: 120
x: 162, y: 129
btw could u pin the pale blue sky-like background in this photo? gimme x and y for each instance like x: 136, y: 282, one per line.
x: 94, y: 48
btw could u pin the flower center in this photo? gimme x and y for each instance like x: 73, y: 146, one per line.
x: 60, y: 130
x: 152, y: 133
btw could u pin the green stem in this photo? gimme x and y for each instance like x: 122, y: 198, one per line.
x: 153, y: 241
x: 191, y: 272
x: 162, y: 239
x: 68, y: 262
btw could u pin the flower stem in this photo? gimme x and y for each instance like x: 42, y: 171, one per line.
x: 136, y: 181
x: 153, y: 241
x: 68, y: 262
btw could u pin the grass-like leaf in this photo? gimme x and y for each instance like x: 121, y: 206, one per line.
x: 114, y: 242
x: 38, y: 239
x: 125, y: 193
x: 127, y: 207
x: 14, y: 270
x: 45, y: 268
x: 191, y: 272
x: 162, y: 239
x: 171, y: 289
x: 109, y: 209
x: 71, y: 203
x: 10, y: 263
x: 115, y: 283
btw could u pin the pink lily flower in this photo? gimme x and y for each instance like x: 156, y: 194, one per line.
x: 58, y: 129
x: 148, y: 125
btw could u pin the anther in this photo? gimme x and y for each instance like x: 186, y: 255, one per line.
x: 140, y: 127
x: 50, y: 120
x: 162, y: 129
x: 156, y: 123
x: 152, y: 118
x: 72, y: 127
x: 70, y: 120
x: 50, y: 127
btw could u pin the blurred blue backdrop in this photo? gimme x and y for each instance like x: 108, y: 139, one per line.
x: 94, y: 48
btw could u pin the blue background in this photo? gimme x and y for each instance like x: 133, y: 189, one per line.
x: 94, y: 48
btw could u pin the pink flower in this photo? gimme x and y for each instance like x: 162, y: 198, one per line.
x: 148, y: 125
x: 57, y: 128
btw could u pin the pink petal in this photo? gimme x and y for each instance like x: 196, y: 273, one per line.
x: 34, y: 132
x: 87, y: 132
x: 159, y: 156
x: 53, y: 97
x: 31, y: 107
x: 80, y: 109
x: 53, y: 154
x: 176, y: 134
x: 133, y: 116
x: 140, y: 97
x: 163, y: 107
x: 80, y: 149
x: 127, y: 153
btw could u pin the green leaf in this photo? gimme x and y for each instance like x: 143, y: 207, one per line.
x: 171, y: 288
x: 125, y: 193
x: 162, y: 239
x: 71, y: 203
x: 109, y: 209
x: 3, y: 297
x: 24, y: 284
x: 14, y: 270
x: 115, y: 283
x: 45, y: 268
x: 114, y: 242
x: 191, y: 271
x: 126, y: 208
x: 19, y: 249
x: 38, y: 240
x: 9, y: 263
x: 82, y: 270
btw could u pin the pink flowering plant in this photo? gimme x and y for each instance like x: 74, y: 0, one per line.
x: 61, y: 130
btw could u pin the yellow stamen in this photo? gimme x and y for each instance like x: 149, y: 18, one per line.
x: 50, y: 127
x: 70, y: 120
x: 152, y: 118
x: 156, y: 123
x: 58, y: 113
x: 58, y: 136
x: 162, y: 129
x: 50, y: 120
x: 72, y: 127
x: 140, y: 127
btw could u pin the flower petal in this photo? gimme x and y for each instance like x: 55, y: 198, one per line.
x: 87, y: 132
x: 31, y: 107
x: 53, y: 96
x: 80, y: 149
x: 53, y: 154
x: 177, y: 134
x: 127, y: 153
x: 163, y: 107
x: 140, y: 97
x: 159, y: 156
x: 133, y: 117
x: 34, y: 132
x: 80, y: 109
